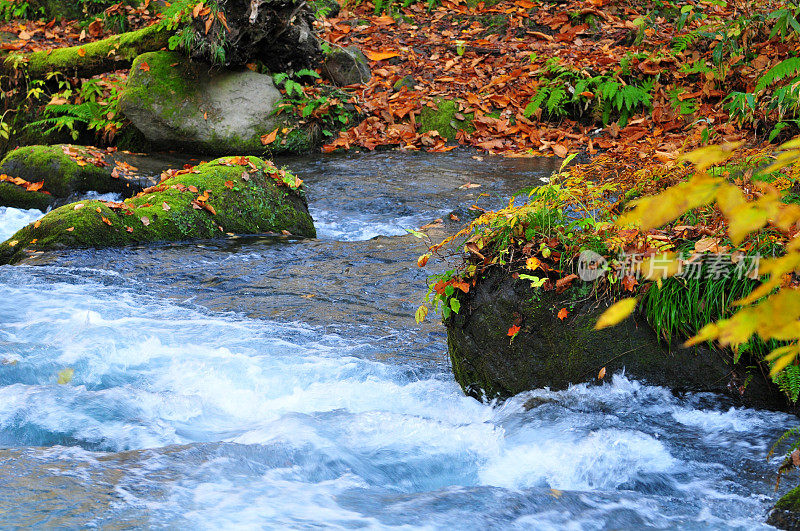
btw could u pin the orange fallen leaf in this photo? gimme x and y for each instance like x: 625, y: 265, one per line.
x: 70, y: 229
x: 129, y: 229
x: 563, y: 313
x: 106, y: 220
x: 269, y: 138
x: 144, y: 67
x: 37, y: 224
x: 602, y: 374
x: 35, y: 187
x: 422, y: 260
x: 380, y: 56
x: 81, y: 52
x: 513, y: 331
x: 228, y: 184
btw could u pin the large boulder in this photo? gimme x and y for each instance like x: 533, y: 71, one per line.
x: 242, y: 195
x: 175, y: 103
x: 553, y: 352
x: 40, y: 176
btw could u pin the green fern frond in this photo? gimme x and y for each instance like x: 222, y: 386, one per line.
x: 786, y: 68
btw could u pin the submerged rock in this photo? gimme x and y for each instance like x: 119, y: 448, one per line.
x: 175, y: 103
x: 242, y: 195
x: 38, y: 176
x: 551, y: 352
x: 347, y: 66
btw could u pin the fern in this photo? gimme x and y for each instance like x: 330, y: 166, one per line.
x: 682, y: 42
x: 788, y: 381
x: 555, y: 101
x: 786, y: 68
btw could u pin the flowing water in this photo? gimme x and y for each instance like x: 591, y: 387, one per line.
x: 266, y: 382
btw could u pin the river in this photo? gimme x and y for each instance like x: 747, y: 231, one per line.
x: 276, y: 383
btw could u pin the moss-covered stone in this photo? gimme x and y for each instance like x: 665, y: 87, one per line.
x: 786, y: 513
x: 18, y: 197
x: 64, y: 169
x: 228, y: 195
x: 442, y: 118
x: 189, y: 105
x: 550, y: 352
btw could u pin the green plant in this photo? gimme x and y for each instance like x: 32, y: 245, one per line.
x: 91, y: 108
x: 564, y: 91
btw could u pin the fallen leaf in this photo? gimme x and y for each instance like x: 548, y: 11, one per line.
x: 128, y: 229
x: 106, y: 220
x: 269, y: 138
x: 37, y: 224
x: 563, y: 313
x: 422, y: 260
x: 144, y: 67
x: 145, y: 221
x: 13, y: 243
x: 78, y: 206
x: 228, y: 184
x: 513, y: 331
x: 70, y: 229
x: 165, y: 206
x: 601, y: 374
x: 81, y: 52
x: 379, y: 56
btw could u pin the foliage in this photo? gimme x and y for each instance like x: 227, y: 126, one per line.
x: 188, y: 18
x: 772, y: 309
x: 91, y: 107
x: 323, y: 108
x: 564, y: 91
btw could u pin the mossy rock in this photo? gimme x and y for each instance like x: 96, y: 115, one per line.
x: 199, y: 109
x: 18, y: 197
x: 228, y: 195
x: 554, y: 353
x: 65, y: 170
x: 442, y: 118
x: 786, y: 513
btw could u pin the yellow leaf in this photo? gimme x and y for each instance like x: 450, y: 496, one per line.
x: 617, y: 313
x: 422, y: 312
x: 13, y: 243
x: 601, y: 374
x: 65, y: 376
x: 532, y: 263
x: 706, y: 157
x: 654, y: 211
x: 785, y: 356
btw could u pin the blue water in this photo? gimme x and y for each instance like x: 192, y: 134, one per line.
x: 259, y: 382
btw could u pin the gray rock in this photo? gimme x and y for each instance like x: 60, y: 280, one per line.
x: 347, y: 66
x: 175, y: 103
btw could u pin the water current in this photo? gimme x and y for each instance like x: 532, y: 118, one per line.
x: 274, y: 383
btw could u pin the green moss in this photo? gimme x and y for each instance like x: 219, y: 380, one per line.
x: 124, y: 48
x: 790, y: 501
x: 18, y: 197
x: 159, y: 78
x: 251, y: 202
x: 443, y: 119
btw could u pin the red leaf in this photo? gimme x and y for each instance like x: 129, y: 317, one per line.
x: 513, y: 331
